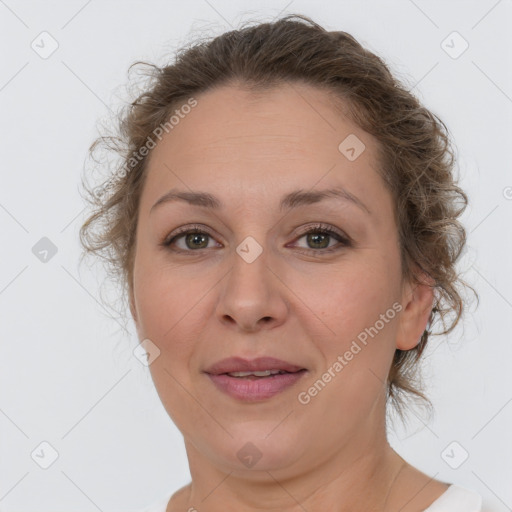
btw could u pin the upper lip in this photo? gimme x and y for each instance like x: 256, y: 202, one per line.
x: 238, y: 364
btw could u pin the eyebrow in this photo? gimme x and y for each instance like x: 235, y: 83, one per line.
x: 289, y: 201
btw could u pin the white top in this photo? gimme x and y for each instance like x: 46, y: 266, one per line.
x: 454, y: 499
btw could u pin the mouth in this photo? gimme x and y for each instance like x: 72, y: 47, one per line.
x: 254, y: 380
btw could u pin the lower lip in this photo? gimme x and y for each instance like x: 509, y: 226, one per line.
x: 251, y: 390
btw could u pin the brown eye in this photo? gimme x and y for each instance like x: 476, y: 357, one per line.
x: 193, y: 240
x: 319, y: 238
x: 195, y: 237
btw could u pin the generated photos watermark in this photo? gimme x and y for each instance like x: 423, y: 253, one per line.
x: 305, y: 397
x: 143, y: 151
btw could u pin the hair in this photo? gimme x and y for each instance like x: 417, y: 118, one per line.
x: 415, y: 154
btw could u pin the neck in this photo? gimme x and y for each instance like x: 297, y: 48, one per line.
x: 358, y: 475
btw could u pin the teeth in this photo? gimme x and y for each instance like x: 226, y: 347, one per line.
x: 265, y: 373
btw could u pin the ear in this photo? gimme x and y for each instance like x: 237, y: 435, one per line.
x: 417, y: 301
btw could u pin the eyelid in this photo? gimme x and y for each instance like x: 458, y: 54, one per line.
x: 320, y: 226
x: 184, y: 230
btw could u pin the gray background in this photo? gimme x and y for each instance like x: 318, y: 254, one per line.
x: 67, y: 373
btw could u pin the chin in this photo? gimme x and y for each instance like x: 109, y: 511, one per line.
x: 260, y: 449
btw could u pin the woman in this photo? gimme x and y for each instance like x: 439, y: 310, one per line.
x: 285, y: 224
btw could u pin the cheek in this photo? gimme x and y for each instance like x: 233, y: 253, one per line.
x: 361, y: 311
x: 175, y: 311
x: 355, y: 358
x: 169, y: 314
x: 166, y: 299
x: 356, y: 297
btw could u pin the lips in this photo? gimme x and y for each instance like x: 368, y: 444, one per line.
x: 261, y: 364
x: 254, y: 380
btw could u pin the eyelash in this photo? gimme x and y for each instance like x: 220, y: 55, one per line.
x: 344, y: 241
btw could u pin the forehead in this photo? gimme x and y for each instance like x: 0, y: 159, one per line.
x: 254, y: 144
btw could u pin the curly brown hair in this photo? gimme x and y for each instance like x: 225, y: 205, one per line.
x: 415, y: 153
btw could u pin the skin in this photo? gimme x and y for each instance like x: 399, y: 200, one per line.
x: 197, y: 308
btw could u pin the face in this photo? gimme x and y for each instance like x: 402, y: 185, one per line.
x: 315, y: 283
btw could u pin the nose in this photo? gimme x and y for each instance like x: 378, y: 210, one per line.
x: 253, y: 295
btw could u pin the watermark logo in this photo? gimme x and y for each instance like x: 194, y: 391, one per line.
x: 146, y: 352
x: 249, y: 454
x: 249, y: 249
x: 351, y: 147
x: 455, y: 455
x: 454, y: 45
x: 45, y: 45
x: 44, y: 250
x: 44, y: 455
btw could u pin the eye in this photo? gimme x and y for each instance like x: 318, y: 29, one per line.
x: 318, y: 237
x: 194, y: 238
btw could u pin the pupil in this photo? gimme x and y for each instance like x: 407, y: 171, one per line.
x: 192, y: 237
x: 314, y: 238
